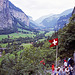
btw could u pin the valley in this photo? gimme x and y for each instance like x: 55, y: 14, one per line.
x: 24, y: 42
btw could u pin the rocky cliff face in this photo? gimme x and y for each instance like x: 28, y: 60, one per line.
x: 5, y: 16
x: 19, y: 14
x: 7, y: 13
x: 73, y: 14
x: 73, y: 11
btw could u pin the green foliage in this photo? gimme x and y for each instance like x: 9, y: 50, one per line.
x: 1, y: 58
x: 3, y: 53
x: 3, y: 45
x: 49, y: 53
x: 72, y: 18
x: 28, y: 61
x: 25, y: 61
x: 67, y: 39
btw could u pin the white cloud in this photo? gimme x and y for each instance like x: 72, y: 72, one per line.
x: 38, y: 8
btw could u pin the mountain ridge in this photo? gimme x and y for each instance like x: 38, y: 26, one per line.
x: 52, y: 21
x: 66, y: 12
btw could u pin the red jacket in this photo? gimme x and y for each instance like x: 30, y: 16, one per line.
x: 53, y: 67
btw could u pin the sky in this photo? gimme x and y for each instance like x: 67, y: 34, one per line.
x: 39, y: 8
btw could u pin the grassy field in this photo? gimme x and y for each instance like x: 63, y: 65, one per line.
x: 16, y: 35
x: 41, y: 32
x: 26, y: 45
x: 41, y: 39
x: 4, y: 45
x: 3, y: 37
x: 49, y: 33
x: 23, y: 30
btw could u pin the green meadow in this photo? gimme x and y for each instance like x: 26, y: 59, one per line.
x: 49, y: 33
x: 26, y: 45
x: 17, y: 35
x: 4, y: 45
x: 3, y: 37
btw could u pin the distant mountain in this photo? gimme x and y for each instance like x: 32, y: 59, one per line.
x: 50, y: 22
x: 33, y: 24
x: 38, y: 21
x: 54, y: 21
x: 62, y: 21
x: 66, y: 12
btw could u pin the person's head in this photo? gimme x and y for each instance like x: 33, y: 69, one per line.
x: 63, y: 69
x: 59, y: 68
x: 69, y: 65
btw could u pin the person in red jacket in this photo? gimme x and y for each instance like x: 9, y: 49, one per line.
x: 53, y: 68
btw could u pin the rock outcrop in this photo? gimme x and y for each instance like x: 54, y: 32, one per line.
x: 73, y: 11
x: 5, y: 16
x: 73, y: 15
x: 19, y: 14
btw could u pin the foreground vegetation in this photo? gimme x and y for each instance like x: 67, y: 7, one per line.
x: 24, y: 59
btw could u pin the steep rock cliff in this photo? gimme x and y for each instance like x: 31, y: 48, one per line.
x: 19, y: 14
x: 73, y: 11
x: 5, y: 16
x: 73, y: 15
x: 10, y: 16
